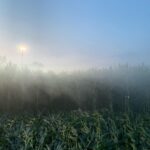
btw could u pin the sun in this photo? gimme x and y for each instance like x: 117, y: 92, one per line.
x: 22, y: 48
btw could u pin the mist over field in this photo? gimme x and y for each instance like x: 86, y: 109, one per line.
x: 120, y: 89
x: 74, y: 75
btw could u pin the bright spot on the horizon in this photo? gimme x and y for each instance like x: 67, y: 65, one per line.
x: 22, y: 48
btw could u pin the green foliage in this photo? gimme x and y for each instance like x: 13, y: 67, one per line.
x: 75, y: 131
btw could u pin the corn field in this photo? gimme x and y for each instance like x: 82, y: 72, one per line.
x: 75, y: 131
x: 98, y: 110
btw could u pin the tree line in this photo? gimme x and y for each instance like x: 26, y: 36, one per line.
x: 122, y: 88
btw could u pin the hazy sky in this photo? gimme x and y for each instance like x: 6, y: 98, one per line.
x: 70, y: 34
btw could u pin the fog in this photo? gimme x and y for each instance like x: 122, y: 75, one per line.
x: 121, y: 88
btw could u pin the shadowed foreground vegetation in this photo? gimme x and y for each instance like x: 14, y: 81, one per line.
x: 75, y: 131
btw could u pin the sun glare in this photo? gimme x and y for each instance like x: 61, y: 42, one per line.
x: 22, y: 48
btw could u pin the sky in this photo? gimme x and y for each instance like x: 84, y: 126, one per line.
x: 75, y: 34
